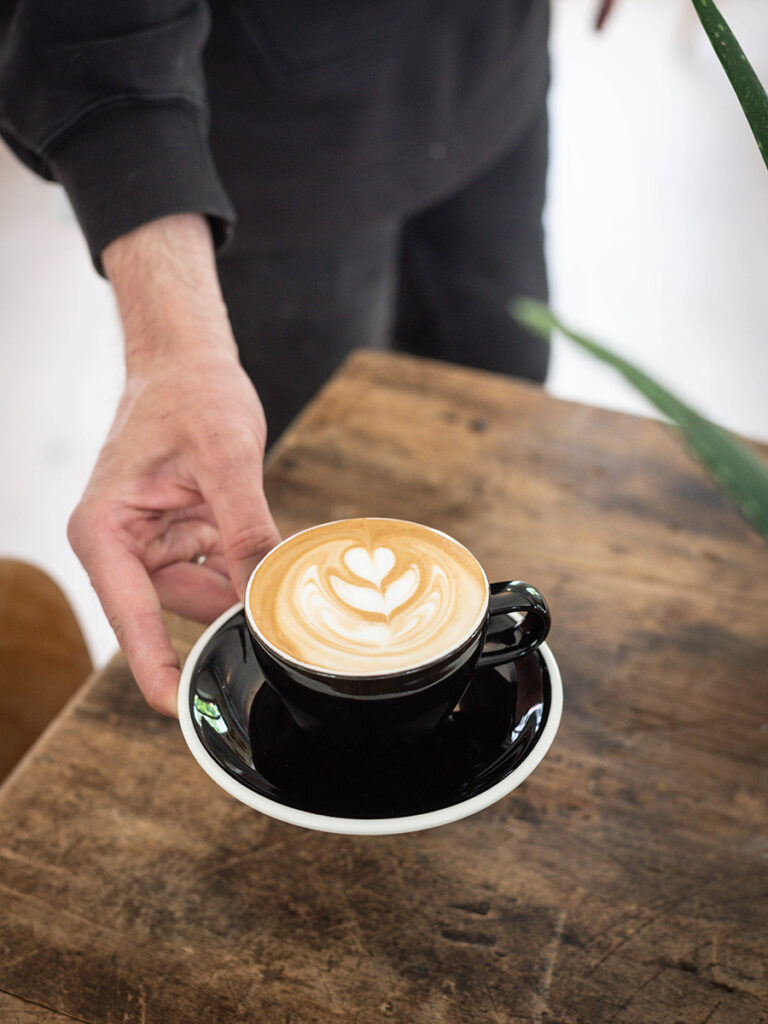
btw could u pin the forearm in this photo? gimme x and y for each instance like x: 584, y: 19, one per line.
x: 165, y: 283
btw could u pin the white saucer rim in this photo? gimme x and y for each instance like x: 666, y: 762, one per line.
x: 360, y: 826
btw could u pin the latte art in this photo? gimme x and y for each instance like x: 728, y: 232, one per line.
x: 379, y: 614
x: 367, y: 596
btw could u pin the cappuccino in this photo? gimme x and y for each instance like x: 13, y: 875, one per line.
x: 367, y: 596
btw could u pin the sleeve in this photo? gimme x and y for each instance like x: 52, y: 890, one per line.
x: 109, y: 99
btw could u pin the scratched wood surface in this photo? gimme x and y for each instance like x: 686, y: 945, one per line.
x: 625, y: 881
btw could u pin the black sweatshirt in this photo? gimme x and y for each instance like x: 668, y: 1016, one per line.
x: 314, y: 115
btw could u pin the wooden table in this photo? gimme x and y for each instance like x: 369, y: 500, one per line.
x: 625, y: 881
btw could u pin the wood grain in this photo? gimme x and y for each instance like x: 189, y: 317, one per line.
x: 17, y: 1011
x: 624, y: 882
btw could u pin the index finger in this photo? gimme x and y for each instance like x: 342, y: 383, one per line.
x: 133, y: 608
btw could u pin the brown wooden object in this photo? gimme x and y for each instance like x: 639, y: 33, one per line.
x: 625, y: 882
x: 43, y: 656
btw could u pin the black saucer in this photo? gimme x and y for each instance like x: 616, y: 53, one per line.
x: 241, y: 734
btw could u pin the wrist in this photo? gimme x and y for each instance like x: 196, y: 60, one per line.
x: 164, y: 278
x: 178, y: 343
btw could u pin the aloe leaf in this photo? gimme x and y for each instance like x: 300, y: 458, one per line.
x: 746, y: 84
x: 734, y: 466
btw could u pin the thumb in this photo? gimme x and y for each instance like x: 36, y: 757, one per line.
x: 246, y: 527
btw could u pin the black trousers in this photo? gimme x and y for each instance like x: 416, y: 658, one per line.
x: 438, y: 284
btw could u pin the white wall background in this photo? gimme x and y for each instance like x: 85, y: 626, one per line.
x: 658, y: 208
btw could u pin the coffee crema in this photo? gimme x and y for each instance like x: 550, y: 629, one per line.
x: 367, y: 596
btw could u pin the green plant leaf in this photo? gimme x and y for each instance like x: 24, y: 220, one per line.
x: 746, y: 84
x: 734, y: 466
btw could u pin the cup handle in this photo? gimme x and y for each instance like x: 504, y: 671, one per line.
x: 508, y: 638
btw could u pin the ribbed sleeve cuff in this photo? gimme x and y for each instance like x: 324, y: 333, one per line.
x: 132, y: 162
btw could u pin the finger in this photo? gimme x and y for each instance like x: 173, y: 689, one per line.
x: 133, y: 608
x: 181, y: 541
x: 197, y: 592
x: 245, y: 523
x: 215, y: 562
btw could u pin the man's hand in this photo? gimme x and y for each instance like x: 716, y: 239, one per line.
x: 180, y: 474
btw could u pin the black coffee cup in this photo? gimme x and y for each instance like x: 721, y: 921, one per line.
x: 391, y: 711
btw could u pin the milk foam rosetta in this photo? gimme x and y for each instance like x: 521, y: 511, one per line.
x: 365, y: 596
